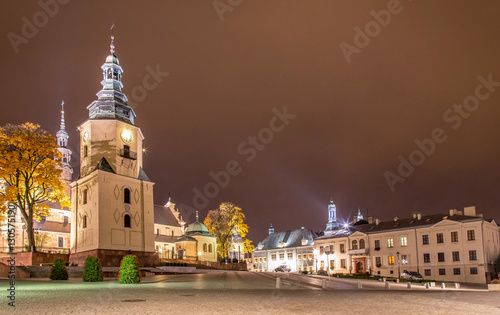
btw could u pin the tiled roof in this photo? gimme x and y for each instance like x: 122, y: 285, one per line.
x: 291, y: 238
x: 165, y: 238
x: 103, y: 165
x: 52, y: 226
x: 164, y: 216
x: 142, y: 175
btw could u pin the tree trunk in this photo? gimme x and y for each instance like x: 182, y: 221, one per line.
x: 30, y: 232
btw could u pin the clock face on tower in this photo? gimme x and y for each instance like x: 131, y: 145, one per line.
x: 126, y: 136
x: 85, y: 136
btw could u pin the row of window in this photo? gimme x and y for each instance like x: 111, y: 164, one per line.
x: 454, y: 255
x: 126, y: 221
x: 471, y: 236
x: 341, y: 247
x: 391, y: 260
x: 206, y: 247
x: 126, y: 196
x: 332, y: 264
x: 456, y: 271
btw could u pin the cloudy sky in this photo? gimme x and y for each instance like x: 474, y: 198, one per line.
x: 361, y: 82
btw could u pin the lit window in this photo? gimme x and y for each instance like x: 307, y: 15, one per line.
x: 391, y: 260
x: 299, y: 256
x: 126, y: 221
x: 404, y: 241
x: 205, y: 247
x: 310, y: 256
x: 332, y: 264
x: 322, y: 265
x: 390, y: 243
x: 471, y: 235
x: 456, y: 256
x: 425, y: 239
x: 354, y: 244
x: 281, y: 244
x: 273, y: 257
x: 265, y: 259
x: 404, y: 259
x: 440, y: 237
x: 282, y: 256
x: 342, y: 263
x: 454, y: 237
x: 290, y: 256
x: 321, y: 250
x: 361, y: 244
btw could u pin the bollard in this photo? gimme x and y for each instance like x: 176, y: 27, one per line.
x: 457, y: 285
x: 397, y: 280
x: 427, y: 285
x: 324, y: 284
x: 387, y: 285
x: 408, y: 286
x: 278, y: 283
x: 443, y: 286
x: 360, y: 285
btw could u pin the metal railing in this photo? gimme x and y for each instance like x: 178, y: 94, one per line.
x: 128, y: 154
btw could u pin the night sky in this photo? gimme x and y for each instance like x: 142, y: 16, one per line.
x: 228, y: 74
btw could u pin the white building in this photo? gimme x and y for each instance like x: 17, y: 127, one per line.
x: 293, y: 249
x: 460, y: 246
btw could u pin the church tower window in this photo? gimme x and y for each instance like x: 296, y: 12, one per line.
x: 84, y: 197
x: 85, y: 151
x: 126, y: 221
x: 126, y: 195
x: 209, y: 248
x: 84, y: 221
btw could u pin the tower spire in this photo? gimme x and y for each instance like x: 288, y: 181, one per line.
x: 63, y: 123
x: 62, y: 136
x: 62, y: 141
x: 112, y: 45
x: 196, y: 215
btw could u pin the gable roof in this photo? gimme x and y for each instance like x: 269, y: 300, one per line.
x: 103, y: 165
x: 164, y: 216
x: 290, y: 238
x: 52, y: 226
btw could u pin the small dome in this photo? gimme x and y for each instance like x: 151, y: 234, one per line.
x: 112, y: 59
x: 197, y: 227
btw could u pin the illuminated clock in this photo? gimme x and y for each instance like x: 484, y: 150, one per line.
x: 85, y: 136
x: 126, y: 136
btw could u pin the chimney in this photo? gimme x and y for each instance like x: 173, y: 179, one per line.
x: 377, y: 221
x: 395, y: 219
x: 471, y: 211
x: 419, y: 216
x: 452, y: 212
x: 370, y: 220
x: 414, y: 215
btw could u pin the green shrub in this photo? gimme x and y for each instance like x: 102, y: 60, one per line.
x: 129, y: 270
x: 93, y: 270
x: 58, y: 271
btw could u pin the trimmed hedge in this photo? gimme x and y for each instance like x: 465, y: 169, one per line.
x: 59, y: 271
x: 129, y: 270
x: 93, y: 270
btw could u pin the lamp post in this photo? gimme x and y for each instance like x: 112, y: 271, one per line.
x: 399, y: 267
x: 316, y: 259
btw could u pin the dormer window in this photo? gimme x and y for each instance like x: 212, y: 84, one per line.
x: 281, y: 244
x: 304, y: 242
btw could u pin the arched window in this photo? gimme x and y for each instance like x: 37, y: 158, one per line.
x: 361, y: 244
x: 205, y: 247
x: 126, y: 220
x: 84, y: 197
x: 126, y: 195
x: 209, y: 248
x: 354, y: 244
x: 84, y: 221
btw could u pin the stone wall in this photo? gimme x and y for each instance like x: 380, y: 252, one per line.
x: 112, y: 258
x: 34, y: 259
x: 21, y: 271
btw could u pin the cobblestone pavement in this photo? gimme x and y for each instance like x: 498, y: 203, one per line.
x: 223, y: 292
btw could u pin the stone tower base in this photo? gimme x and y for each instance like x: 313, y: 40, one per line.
x: 112, y: 258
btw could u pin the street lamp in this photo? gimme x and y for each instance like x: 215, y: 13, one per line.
x: 399, y: 267
x: 316, y: 259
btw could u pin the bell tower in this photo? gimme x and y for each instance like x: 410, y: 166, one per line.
x: 112, y: 201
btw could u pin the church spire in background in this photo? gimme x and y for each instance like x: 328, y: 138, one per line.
x: 62, y: 141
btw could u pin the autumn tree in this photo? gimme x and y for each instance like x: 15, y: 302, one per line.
x: 223, y: 223
x: 29, y: 171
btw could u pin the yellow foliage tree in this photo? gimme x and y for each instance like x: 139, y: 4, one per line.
x: 29, y: 171
x: 223, y: 223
